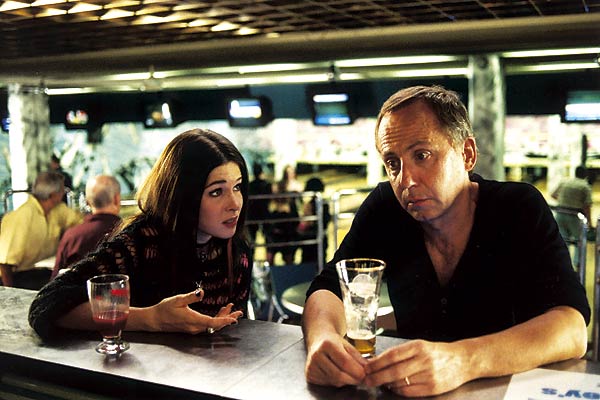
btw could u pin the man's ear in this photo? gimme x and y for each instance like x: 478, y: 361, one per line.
x: 470, y: 153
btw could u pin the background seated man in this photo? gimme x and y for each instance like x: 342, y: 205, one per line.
x: 31, y: 232
x: 574, y: 193
x: 477, y: 272
x: 103, y: 195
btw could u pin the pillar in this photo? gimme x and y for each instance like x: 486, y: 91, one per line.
x: 30, y: 144
x: 487, y: 112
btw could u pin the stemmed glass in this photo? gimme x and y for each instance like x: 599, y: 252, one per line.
x: 109, y: 299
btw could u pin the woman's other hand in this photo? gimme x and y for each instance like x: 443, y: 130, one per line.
x: 173, y: 314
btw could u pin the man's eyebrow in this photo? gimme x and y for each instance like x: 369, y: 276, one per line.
x: 408, y: 148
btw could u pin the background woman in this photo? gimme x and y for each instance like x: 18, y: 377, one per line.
x: 189, y: 230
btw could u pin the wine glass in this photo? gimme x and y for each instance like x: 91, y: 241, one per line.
x: 109, y: 299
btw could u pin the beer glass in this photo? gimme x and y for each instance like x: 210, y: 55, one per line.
x: 109, y: 300
x: 360, y: 280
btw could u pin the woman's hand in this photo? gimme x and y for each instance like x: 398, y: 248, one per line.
x: 173, y: 314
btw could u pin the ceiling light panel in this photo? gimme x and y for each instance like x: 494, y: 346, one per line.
x: 12, y: 5
x: 116, y: 13
x: 84, y: 7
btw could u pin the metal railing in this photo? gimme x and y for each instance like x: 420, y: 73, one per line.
x: 580, y: 242
x: 317, y: 217
x: 338, y: 215
x: 596, y: 305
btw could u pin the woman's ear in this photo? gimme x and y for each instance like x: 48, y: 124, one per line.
x: 470, y: 153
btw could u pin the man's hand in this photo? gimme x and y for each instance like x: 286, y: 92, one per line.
x: 173, y: 315
x: 333, y: 361
x: 418, y: 368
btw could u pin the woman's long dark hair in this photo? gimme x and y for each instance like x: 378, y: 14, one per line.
x: 172, y: 193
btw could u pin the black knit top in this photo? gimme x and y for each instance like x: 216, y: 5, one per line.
x: 158, y: 265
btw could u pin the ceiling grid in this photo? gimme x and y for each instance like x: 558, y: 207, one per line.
x: 56, y: 27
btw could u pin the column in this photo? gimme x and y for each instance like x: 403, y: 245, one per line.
x: 487, y: 111
x: 30, y: 144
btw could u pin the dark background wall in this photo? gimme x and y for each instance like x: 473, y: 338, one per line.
x: 525, y: 94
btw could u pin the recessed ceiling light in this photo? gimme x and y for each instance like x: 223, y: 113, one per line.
x: 224, y: 26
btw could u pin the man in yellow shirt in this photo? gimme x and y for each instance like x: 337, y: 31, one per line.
x: 31, y: 232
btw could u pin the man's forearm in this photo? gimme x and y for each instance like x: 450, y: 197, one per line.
x: 7, y: 274
x: 323, y: 312
x: 556, y: 335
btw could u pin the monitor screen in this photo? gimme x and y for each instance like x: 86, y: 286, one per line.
x: 249, y: 111
x: 76, y: 119
x: 331, y: 109
x: 158, y: 115
x: 5, y: 124
x: 582, y: 106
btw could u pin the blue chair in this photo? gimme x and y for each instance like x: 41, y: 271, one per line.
x: 284, y: 277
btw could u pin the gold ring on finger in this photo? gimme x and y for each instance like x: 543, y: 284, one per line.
x: 407, y: 381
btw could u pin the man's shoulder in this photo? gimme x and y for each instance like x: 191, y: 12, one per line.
x: 24, y: 211
x: 499, y: 190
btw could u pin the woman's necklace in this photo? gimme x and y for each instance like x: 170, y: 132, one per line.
x: 202, y: 250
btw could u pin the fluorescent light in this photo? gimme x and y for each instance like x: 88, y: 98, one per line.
x: 371, y: 62
x: 551, y: 67
x: 62, y: 91
x: 406, y: 73
x: 550, y: 52
x: 345, y: 76
x: 253, y: 69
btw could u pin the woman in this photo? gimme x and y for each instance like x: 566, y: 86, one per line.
x: 188, y: 233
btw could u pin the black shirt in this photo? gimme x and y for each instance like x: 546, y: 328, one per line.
x: 515, y: 266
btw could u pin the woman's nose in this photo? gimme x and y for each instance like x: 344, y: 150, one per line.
x: 235, y: 201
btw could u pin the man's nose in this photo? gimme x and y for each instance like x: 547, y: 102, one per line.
x: 407, y: 176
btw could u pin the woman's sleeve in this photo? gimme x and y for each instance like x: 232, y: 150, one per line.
x: 68, y: 290
x: 241, y: 288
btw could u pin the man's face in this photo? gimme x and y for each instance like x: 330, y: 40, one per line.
x: 426, y: 172
x: 57, y: 196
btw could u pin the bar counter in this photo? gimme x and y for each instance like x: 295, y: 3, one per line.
x: 250, y: 360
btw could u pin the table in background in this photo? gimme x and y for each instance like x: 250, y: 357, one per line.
x: 293, y: 299
x: 250, y: 360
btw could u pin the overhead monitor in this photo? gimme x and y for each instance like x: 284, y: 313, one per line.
x: 249, y: 112
x: 77, y: 119
x: 158, y: 115
x: 5, y: 124
x: 331, y: 109
x: 582, y: 106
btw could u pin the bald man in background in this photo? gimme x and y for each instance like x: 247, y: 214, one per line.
x: 103, y: 195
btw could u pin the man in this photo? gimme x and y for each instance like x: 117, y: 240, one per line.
x: 574, y: 193
x: 103, y: 195
x: 55, y: 166
x: 258, y: 209
x: 31, y: 232
x: 477, y: 272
